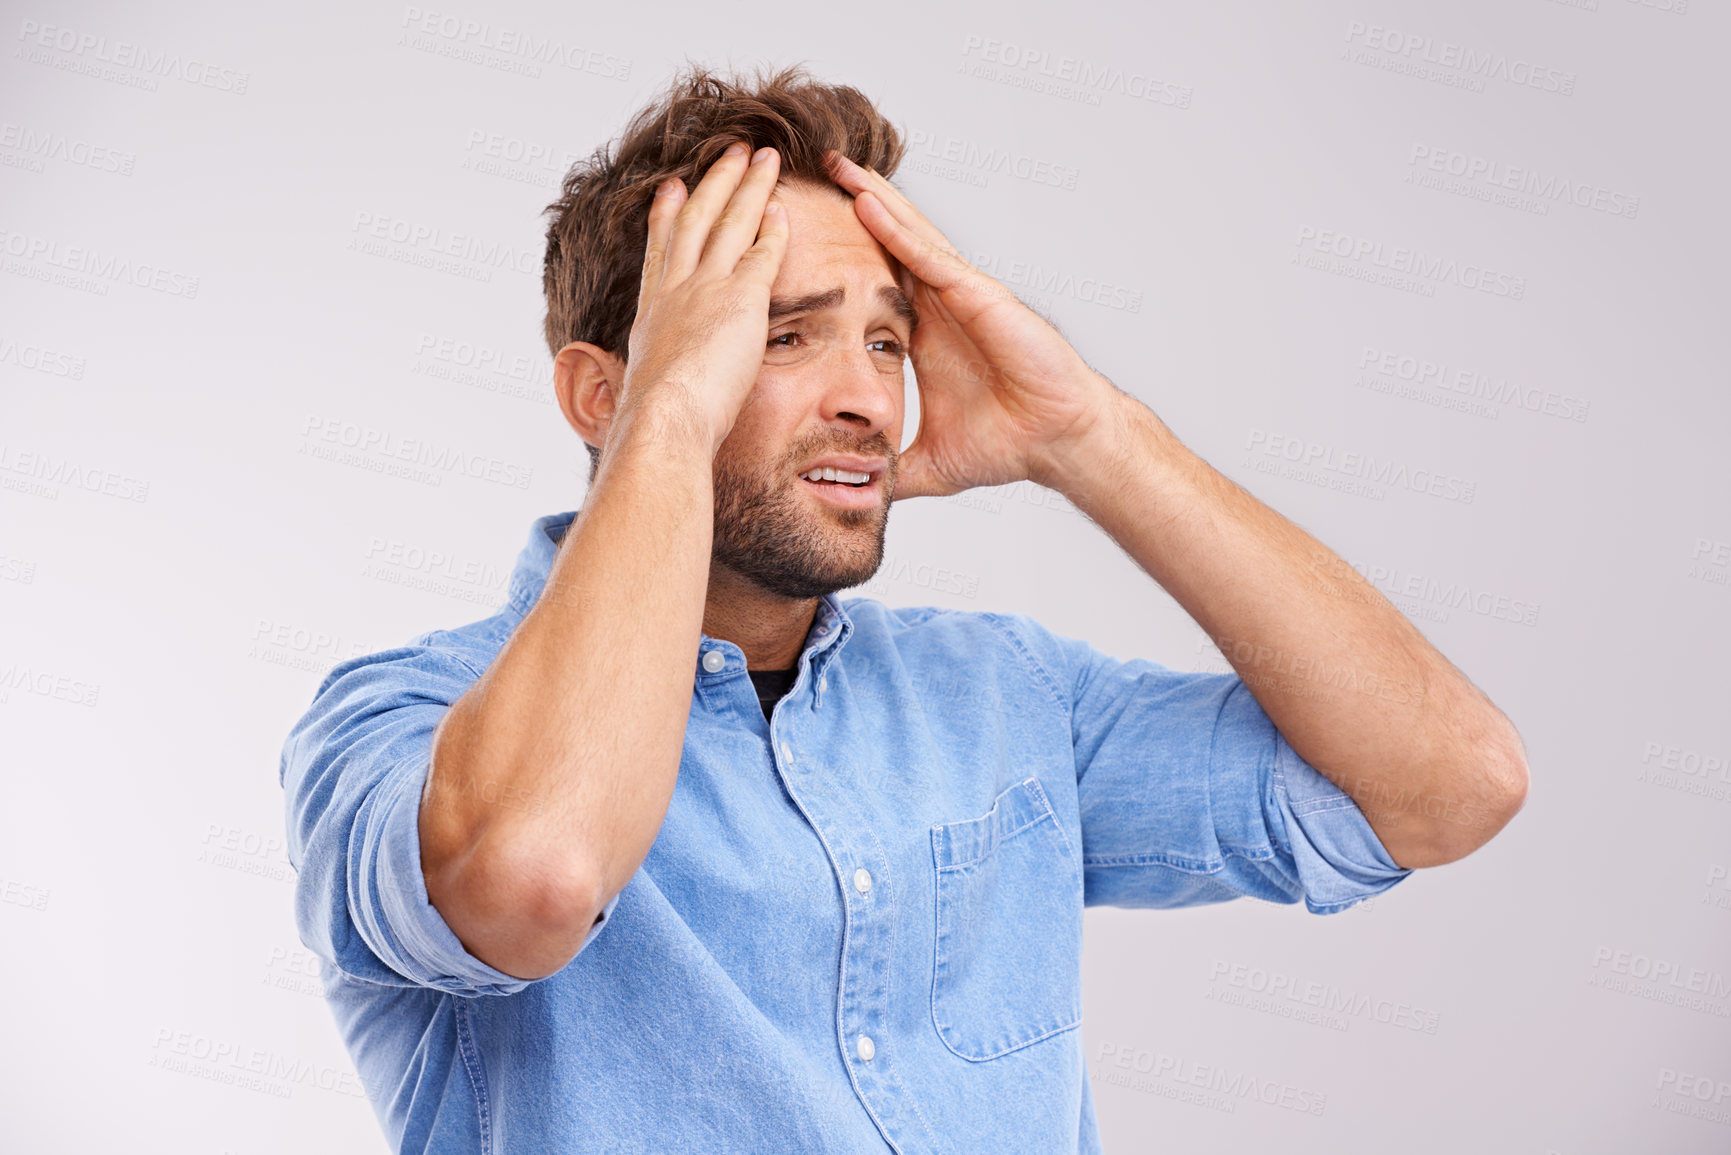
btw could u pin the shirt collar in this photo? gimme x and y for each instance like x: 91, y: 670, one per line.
x: 536, y: 561
x: 830, y: 627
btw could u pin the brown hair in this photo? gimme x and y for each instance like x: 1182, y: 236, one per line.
x: 600, y: 223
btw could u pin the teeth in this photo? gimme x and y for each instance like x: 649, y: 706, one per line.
x: 843, y: 475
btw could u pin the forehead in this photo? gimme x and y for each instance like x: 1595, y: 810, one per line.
x: 827, y: 243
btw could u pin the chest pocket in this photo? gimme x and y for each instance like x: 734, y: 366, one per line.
x: 1007, y: 971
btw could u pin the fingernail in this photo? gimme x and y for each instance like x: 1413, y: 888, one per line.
x: 735, y: 148
x: 761, y: 155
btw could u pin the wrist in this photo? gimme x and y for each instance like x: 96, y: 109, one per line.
x: 1092, y: 442
x: 663, y: 424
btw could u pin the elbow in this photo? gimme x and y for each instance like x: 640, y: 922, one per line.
x: 1499, y: 782
x: 1506, y: 781
x: 516, y: 903
x: 549, y: 931
x: 1515, y: 783
x: 514, y: 911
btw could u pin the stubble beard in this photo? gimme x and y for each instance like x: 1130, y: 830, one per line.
x: 780, y: 540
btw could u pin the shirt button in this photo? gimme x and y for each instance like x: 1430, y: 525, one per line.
x: 862, y: 880
x: 823, y: 682
x: 865, y: 1048
x: 822, y: 630
x: 713, y: 660
x: 786, y: 752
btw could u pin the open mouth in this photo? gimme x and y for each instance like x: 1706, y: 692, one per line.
x: 843, y: 487
x: 837, y: 477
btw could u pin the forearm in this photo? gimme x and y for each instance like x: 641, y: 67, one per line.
x: 1351, y: 683
x: 580, y: 720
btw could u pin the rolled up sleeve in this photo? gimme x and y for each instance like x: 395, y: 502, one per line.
x: 1338, y: 858
x: 1188, y: 794
x: 354, y: 768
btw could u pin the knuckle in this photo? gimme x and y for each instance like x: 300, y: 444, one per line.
x: 729, y: 219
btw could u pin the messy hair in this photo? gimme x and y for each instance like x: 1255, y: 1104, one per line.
x: 600, y: 223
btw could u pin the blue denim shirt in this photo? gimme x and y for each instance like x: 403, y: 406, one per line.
x: 859, y: 927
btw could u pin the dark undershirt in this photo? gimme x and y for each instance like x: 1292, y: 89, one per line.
x: 771, y: 685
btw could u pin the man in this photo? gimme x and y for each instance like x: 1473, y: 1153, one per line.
x: 679, y: 851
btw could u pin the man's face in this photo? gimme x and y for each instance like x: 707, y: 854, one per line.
x: 830, y: 386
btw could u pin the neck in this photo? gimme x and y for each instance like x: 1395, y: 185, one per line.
x: 771, y: 630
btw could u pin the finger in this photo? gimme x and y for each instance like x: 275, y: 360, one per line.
x: 691, y: 226
x: 740, y: 223
x: 913, y: 473
x: 937, y: 266
x: 857, y: 179
x: 668, y: 199
x: 942, y: 263
x: 762, y: 260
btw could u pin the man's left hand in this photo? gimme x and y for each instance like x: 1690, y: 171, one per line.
x: 1003, y: 396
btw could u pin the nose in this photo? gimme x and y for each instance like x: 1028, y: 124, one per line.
x: 860, y: 396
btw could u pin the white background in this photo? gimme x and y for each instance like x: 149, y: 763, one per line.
x: 177, y: 568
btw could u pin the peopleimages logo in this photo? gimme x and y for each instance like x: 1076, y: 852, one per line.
x: 515, y: 159
x: 1471, y: 383
x: 383, y: 451
x: 431, y: 242
x: 1412, y: 262
x: 52, y: 471
x: 1545, y: 188
x: 47, y: 684
x: 39, y: 145
x: 1661, y: 979
x: 1697, y: 1096
x: 477, y: 355
x: 87, y: 48
x: 41, y: 359
x: 514, y: 45
x: 1050, y: 282
x: 1335, y: 1004
x: 1364, y: 468
x: 1235, y: 1086
x: 1431, y: 597
x: 1072, y: 77
x: 45, y: 253
x: 253, y: 1068
x: 1472, y: 62
x: 990, y: 160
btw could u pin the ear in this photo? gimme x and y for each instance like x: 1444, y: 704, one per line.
x: 586, y: 379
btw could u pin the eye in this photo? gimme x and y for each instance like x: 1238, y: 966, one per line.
x: 892, y: 347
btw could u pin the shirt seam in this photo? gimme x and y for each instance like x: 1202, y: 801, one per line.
x: 1320, y: 805
x: 1179, y: 862
x: 1280, y: 796
x: 473, y: 1068
x: 453, y: 654
x: 1208, y: 774
x: 1034, y: 665
x: 1276, y: 784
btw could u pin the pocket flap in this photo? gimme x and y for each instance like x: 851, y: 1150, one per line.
x: 1014, y: 810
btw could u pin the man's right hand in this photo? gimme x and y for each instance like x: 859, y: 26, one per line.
x: 703, y: 309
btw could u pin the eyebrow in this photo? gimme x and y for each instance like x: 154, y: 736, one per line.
x: 890, y: 295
